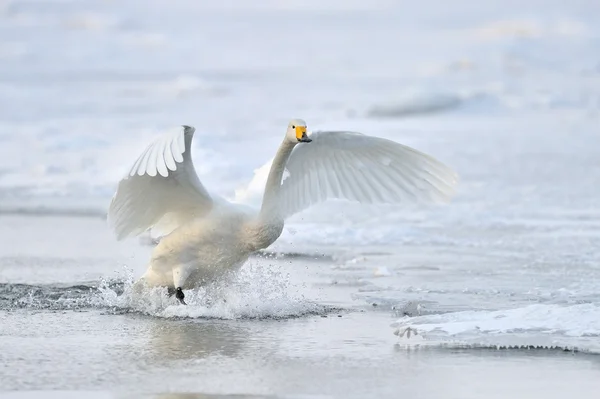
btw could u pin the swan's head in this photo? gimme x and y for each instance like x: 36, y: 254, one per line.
x: 296, y: 132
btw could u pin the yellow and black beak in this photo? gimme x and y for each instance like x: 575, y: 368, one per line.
x: 301, y: 135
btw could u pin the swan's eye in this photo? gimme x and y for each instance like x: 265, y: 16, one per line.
x: 293, y: 127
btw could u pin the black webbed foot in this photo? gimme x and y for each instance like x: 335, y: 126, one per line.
x: 179, y: 295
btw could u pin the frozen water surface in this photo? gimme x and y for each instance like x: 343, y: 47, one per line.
x: 506, y: 92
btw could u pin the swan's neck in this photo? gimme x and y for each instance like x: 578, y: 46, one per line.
x: 270, y: 219
x: 270, y: 208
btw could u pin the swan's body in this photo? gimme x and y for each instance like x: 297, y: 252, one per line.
x: 207, y: 236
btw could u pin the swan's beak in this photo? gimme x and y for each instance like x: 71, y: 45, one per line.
x: 301, y: 135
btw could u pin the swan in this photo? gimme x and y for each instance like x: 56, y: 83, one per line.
x: 206, y: 235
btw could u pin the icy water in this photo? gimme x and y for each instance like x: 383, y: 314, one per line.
x: 288, y: 327
x: 496, y: 294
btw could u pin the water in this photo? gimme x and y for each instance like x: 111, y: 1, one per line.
x: 285, y: 327
x: 507, y: 94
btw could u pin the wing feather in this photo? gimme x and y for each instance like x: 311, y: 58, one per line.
x: 365, y: 169
x: 161, y: 188
x: 169, y: 161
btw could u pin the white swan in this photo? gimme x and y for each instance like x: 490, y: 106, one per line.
x: 206, y: 235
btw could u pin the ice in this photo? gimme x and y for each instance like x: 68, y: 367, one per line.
x: 381, y: 271
x: 539, y: 325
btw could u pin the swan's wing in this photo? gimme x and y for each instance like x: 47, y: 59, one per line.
x: 161, y: 189
x: 360, y: 168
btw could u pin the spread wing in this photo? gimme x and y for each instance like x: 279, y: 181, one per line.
x: 364, y: 169
x: 161, y: 189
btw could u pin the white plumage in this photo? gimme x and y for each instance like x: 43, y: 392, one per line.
x: 205, y: 235
x: 161, y: 188
x: 365, y: 169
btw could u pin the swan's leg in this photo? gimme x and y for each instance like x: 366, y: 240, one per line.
x: 179, y: 295
x: 180, y: 274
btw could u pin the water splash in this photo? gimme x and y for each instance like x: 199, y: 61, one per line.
x: 259, y: 290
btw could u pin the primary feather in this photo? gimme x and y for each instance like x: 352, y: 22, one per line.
x: 364, y: 169
x: 161, y: 188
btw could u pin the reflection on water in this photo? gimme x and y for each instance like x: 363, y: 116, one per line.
x: 194, y: 339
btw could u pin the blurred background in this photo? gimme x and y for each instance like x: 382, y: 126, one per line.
x: 507, y: 92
